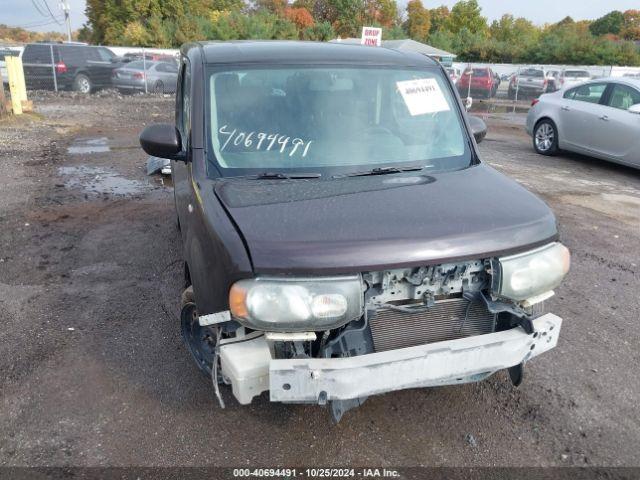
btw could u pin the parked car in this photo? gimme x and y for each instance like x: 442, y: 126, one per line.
x: 309, y: 271
x: 78, y: 67
x: 569, y: 78
x: 481, y: 80
x: 454, y: 74
x: 4, y: 53
x: 600, y: 118
x: 528, y: 82
x: 161, y: 77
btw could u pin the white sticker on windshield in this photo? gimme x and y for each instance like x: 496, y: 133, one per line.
x: 423, y: 96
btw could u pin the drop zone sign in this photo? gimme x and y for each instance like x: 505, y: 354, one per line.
x: 371, y: 36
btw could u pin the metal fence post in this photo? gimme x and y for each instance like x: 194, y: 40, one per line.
x: 144, y: 70
x: 517, y: 83
x: 470, y: 68
x: 53, y: 69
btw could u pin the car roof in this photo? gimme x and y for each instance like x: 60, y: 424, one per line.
x: 632, y: 82
x: 271, y: 51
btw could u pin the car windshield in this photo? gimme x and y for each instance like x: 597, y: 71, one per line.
x: 480, y: 72
x: 333, y: 120
x: 532, y: 72
x: 576, y: 74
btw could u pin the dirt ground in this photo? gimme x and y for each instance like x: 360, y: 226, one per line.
x: 93, y: 367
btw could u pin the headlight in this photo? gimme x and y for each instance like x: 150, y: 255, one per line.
x: 532, y: 273
x: 302, y: 304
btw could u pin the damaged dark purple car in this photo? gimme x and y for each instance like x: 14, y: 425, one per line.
x: 342, y: 237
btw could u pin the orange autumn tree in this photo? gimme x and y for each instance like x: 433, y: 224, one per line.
x: 300, y: 16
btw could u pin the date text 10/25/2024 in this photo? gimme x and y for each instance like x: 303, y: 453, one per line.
x: 315, y: 473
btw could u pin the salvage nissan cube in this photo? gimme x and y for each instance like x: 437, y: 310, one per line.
x: 341, y: 236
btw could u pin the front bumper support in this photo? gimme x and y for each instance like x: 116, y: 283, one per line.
x: 314, y: 380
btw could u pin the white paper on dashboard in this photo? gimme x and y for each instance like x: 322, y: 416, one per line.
x: 423, y: 96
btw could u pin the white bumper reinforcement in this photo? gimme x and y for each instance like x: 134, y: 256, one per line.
x: 444, y: 363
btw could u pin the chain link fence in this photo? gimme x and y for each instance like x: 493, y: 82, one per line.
x: 85, y: 69
x: 522, y: 82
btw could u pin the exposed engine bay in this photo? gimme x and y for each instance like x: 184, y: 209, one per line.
x: 402, y: 308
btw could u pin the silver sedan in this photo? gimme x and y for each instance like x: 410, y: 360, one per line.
x: 599, y: 118
x: 160, y: 77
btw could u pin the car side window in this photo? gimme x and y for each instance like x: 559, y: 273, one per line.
x: 623, y: 97
x: 104, y: 54
x: 591, y: 93
x: 37, y: 54
x: 569, y: 94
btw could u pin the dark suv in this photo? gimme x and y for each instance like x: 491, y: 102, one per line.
x: 83, y: 68
x: 341, y: 236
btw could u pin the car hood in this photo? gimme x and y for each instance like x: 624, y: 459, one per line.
x: 387, y: 221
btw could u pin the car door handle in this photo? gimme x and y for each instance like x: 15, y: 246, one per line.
x: 565, y: 108
x: 604, y: 118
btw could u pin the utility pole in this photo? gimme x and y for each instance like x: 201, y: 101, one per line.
x: 64, y: 5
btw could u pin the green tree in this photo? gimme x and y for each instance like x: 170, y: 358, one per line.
x: 320, y: 32
x: 418, y: 22
x: 349, y: 15
x: 611, y: 23
x: 439, y: 18
x: 467, y: 14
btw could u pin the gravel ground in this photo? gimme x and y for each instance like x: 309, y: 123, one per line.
x: 94, y: 371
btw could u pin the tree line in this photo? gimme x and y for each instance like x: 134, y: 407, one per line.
x: 610, y: 40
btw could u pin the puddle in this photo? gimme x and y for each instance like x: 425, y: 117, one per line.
x: 100, y: 181
x: 89, y: 145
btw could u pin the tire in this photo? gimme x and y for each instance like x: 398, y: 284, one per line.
x: 200, y: 341
x: 158, y: 87
x: 545, y: 137
x: 82, y: 83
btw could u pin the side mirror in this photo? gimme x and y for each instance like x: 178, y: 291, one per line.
x: 478, y: 127
x: 635, y: 109
x: 468, y: 103
x: 162, y: 140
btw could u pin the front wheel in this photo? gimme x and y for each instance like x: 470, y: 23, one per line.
x: 158, y: 87
x: 82, y: 83
x: 201, y: 341
x: 545, y: 138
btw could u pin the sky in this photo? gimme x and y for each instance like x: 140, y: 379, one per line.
x: 24, y: 13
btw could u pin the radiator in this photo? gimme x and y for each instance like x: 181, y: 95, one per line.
x: 446, y: 320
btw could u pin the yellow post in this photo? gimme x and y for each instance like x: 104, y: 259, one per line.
x: 16, y: 83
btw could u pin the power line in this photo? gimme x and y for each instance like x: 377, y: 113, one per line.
x: 38, y: 8
x: 50, y: 12
x: 39, y: 23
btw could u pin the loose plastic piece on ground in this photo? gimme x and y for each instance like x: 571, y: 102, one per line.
x: 156, y: 164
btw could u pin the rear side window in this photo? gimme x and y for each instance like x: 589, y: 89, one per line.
x: 623, y: 97
x: 591, y: 93
x: 167, y: 67
x: 38, y: 54
x: 8, y: 53
x: 138, y: 65
x: 72, y: 55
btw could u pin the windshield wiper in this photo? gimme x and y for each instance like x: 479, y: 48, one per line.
x: 278, y: 176
x: 380, y: 171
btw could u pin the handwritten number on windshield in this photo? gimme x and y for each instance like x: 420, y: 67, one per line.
x: 268, y: 140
